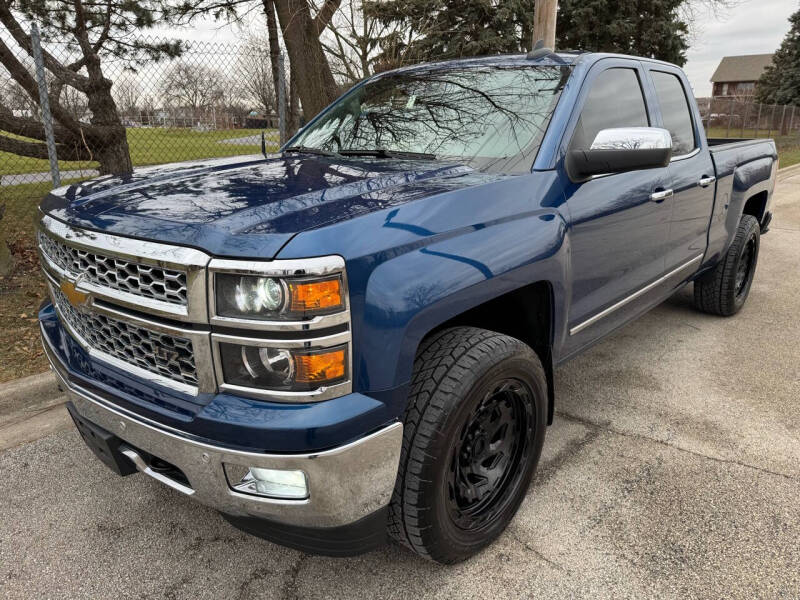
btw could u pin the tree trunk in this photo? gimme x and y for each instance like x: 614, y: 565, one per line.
x: 114, y: 155
x: 274, y: 47
x: 293, y: 112
x: 316, y: 88
x: 108, y: 142
x: 6, y: 260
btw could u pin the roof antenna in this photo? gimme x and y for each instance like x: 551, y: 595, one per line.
x: 539, y: 51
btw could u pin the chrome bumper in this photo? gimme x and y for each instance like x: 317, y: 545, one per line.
x: 345, y: 483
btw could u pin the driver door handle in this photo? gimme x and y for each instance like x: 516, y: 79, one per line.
x: 707, y: 181
x: 661, y: 196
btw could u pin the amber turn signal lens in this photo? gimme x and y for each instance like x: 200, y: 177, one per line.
x: 315, y: 296
x: 320, y: 367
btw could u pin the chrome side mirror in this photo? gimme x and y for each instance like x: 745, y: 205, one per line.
x: 621, y: 149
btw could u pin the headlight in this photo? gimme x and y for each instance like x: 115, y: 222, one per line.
x: 282, y: 369
x: 268, y: 298
x: 253, y: 295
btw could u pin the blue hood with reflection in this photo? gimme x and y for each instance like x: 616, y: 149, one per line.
x: 250, y: 206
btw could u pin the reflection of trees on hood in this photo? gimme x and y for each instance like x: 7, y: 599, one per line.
x: 493, y: 112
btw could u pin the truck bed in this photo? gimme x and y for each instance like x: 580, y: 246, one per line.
x: 717, y: 143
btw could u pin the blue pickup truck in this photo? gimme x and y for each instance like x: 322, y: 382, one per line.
x: 353, y: 339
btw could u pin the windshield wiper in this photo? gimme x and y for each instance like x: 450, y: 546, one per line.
x: 310, y: 150
x: 384, y: 153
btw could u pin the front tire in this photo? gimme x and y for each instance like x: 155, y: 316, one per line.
x: 474, y: 430
x: 724, y: 290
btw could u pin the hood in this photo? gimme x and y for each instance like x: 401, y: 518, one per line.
x: 248, y: 206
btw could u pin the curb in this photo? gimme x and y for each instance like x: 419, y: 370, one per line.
x: 788, y: 170
x: 43, y: 386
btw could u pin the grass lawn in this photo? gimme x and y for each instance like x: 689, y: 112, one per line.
x: 152, y: 147
x: 22, y: 290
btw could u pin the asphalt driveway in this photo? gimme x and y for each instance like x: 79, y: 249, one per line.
x: 672, y: 471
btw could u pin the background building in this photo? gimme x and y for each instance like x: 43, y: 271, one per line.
x: 736, y: 76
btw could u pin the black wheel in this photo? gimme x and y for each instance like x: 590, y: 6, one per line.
x: 724, y: 290
x: 474, y: 430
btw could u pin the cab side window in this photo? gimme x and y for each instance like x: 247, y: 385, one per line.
x: 675, y: 112
x: 615, y: 100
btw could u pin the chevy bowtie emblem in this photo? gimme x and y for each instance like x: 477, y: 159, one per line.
x: 75, y: 298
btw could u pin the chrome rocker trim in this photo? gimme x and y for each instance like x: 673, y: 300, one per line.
x: 345, y: 483
x: 632, y: 297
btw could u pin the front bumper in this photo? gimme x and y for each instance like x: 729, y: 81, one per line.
x: 346, y: 484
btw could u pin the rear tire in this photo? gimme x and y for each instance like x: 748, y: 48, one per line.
x: 474, y: 430
x: 724, y: 290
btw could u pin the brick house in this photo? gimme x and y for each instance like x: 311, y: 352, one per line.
x: 736, y: 76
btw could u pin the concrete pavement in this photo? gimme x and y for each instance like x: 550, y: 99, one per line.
x: 672, y: 471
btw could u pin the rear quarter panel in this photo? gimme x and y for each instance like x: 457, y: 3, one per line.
x: 743, y: 170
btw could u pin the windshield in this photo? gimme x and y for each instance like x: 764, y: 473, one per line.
x: 489, y: 117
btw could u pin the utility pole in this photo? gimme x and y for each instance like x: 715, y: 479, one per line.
x: 544, y: 22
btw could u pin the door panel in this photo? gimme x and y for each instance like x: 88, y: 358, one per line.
x: 618, y: 239
x: 618, y: 234
x: 691, y: 170
x: 691, y: 208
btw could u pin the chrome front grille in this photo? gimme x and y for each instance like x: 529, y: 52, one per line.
x: 166, y: 355
x: 145, y: 307
x: 164, y: 285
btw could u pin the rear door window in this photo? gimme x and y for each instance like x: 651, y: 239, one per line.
x: 675, y: 112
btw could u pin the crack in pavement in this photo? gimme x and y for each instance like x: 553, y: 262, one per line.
x: 289, y: 591
x: 598, y: 426
x: 258, y: 574
x: 553, y: 466
x: 536, y: 553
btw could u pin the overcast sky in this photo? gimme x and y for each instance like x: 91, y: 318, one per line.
x: 751, y: 27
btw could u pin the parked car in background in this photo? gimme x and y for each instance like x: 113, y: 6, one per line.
x: 355, y: 338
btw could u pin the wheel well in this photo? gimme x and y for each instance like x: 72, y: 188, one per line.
x: 756, y: 205
x: 525, y: 314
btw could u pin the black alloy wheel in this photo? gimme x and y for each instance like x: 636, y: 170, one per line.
x: 746, y: 267
x: 473, y: 433
x: 486, y: 459
x: 724, y: 289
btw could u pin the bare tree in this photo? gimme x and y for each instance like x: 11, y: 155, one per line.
x: 187, y: 85
x: 301, y: 25
x: 15, y: 99
x: 352, y: 41
x: 257, y: 77
x: 127, y: 93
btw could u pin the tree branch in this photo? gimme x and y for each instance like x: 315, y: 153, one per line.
x: 325, y: 15
x: 28, y: 127
x: 36, y: 150
x: 20, y: 74
x: 77, y: 81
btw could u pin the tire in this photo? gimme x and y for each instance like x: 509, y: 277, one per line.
x: 724, y: 290
x: 474, y: 429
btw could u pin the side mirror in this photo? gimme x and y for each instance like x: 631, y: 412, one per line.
x: 621, y: 149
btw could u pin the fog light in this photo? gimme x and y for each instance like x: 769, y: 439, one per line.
x: 272, y: 483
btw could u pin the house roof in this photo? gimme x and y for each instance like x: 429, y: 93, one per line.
x: 741, y: 68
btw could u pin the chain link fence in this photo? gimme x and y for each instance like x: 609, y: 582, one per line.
x: 745, y: 118
x: 214, y: 100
